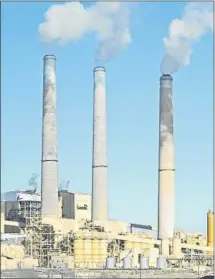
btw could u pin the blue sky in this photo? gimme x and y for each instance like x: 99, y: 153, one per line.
x: 132, y: 107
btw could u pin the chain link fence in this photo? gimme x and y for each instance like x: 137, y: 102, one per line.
x: 189, y: 267
x: 102, y: 273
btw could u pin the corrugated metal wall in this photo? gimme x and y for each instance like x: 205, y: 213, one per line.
x: 11, y: 229
x: 10, y: 208
x: 68, y: 205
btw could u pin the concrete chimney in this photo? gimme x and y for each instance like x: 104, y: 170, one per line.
x: 49, y: 177
x: 166, y: 207
x: 99, y: 164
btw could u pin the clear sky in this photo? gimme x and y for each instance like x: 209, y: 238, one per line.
x: 132, y: 113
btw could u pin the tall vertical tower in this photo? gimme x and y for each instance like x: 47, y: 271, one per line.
x: 210, y: 229
x: 166, y: 207
x: 99, y: 165
x: 49, y: 177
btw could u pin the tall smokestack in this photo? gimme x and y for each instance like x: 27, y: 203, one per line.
x: 49, y: 141
x: 99, y: 165
x: 166, y: 163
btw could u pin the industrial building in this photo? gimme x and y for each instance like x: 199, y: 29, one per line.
x: 19, y: 205
x: 60, y: 228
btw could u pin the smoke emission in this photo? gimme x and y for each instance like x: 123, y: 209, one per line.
x: 109, y: 22
x: 197, y: 20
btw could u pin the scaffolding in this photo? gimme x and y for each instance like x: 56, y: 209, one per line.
x: 27, y: 205
x: 85, y: 248
x: 29, y: 209
x: 44, y: 244
x: 115, y: 247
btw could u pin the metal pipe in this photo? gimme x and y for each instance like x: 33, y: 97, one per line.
x: 166, y: 206
x: 49, y: 177
x: 99, y: 164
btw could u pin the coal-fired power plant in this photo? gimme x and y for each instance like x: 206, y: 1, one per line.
x: 59, y: 232
x: 99, y: 164
x: 166, y: 165
x: 49, y: 172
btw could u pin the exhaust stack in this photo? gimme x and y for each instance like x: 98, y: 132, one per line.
x: 49, y: 177
x: 99, y: 164
x: 166, y: 210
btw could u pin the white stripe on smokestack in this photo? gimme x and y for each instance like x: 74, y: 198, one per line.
x: 99, y: 166
x: 166, y: 210
x: 49, y: 140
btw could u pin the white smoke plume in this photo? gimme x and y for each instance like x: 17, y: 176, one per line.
x: 197, y: 20
x: 109, y: 22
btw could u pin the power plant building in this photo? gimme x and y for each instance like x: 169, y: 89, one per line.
x: 76, y: 205
x: 26, y: 204
x: 21, y: 204
x: 72, y: 231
